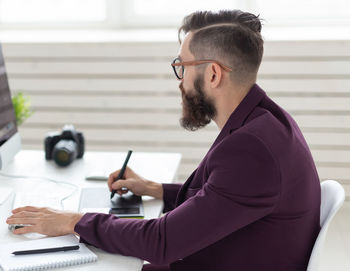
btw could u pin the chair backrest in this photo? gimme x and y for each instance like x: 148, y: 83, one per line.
x: 332, y: 198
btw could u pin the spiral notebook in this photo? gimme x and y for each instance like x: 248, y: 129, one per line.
x: 43, y: 261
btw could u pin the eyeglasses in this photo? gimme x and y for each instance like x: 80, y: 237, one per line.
x: 179, y: 67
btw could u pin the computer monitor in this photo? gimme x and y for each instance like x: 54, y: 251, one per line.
x: 10, y: 141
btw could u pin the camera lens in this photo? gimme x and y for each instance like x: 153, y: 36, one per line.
x: 64, y: 152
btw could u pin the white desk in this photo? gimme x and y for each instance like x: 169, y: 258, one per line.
x: 159, y: 167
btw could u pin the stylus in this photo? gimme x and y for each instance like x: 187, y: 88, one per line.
x: 122, y: 171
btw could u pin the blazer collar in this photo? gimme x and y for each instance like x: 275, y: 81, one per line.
x: 240, y: 114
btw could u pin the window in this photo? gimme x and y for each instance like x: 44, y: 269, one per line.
x: 163, y: 13
x: 51, y: 12
x: 168, y: 13
x: 303, y: 12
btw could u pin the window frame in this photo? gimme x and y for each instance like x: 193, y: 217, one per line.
x: 120, y: 15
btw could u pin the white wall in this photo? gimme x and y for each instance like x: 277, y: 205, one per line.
x: 124, y: 95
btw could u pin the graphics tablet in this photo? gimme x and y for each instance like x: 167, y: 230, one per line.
x: 97, y: 200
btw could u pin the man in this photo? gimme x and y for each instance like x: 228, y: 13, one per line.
x: 253, y: 203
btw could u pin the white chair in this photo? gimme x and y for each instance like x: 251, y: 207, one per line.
x: 332, y: 198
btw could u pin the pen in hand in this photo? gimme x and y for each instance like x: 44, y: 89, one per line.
x: 122, y: 171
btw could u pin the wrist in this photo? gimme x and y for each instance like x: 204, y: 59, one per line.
x: 155, y: 190
x: 74, y: 219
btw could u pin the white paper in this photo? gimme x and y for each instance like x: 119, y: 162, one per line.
x: 9, y: 262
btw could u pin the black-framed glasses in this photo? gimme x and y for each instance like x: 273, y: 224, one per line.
x: 179, y: 66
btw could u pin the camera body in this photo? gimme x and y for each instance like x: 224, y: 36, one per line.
x: 63, y: 147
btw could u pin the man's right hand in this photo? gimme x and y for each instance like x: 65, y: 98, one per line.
x: 135, y: 183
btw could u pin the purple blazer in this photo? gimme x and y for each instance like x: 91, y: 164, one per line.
x: 253, y: 203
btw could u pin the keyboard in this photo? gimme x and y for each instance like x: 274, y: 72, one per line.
x: 4, y: 194
x: 38, y: 200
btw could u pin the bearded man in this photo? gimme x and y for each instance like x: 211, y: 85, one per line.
x: 253, y: 203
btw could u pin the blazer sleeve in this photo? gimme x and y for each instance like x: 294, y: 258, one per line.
x: 243, y: 181
x: 170, y: 192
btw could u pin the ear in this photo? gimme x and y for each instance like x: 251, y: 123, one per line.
x: 215, y: 75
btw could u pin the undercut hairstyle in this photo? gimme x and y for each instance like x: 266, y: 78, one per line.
x: 232, y: 37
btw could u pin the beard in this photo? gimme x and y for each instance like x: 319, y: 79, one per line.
x: 197, y: 108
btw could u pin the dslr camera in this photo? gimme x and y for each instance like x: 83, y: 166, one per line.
x: 64, y: 147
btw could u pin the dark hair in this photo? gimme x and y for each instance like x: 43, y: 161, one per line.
x: 230, y: 36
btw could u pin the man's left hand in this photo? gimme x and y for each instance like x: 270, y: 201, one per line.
x: 46, y: 221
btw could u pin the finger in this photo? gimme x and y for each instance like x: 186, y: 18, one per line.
x: 22, y: 220
x: 27, y: 208
x: 26, y: 229
x: 122, y: 191
x: 118, y: 185
x: 24, y: 214
x: 114, y: 175
x: 111, y: 179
